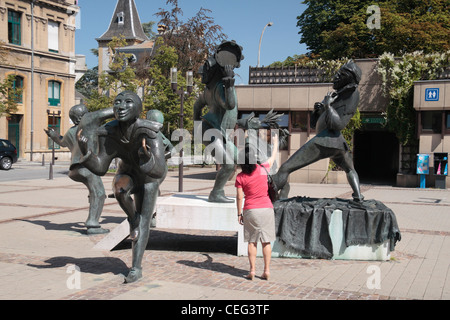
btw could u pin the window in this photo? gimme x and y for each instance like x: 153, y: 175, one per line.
x: 14, y: 28
x: 120, y: 18
x: 18, y: 85
x: 54, y: 123
x: 54, y: 93
x: 300, y: 121
x: 53, y: 36
x: 432, y: 121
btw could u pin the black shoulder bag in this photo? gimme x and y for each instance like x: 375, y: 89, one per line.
x: 273, y: 195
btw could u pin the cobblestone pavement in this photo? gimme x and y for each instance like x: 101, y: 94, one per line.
x: 45, y: 253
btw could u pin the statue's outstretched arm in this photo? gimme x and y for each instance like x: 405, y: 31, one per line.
x: 152, y: 158
x: 88, y: 141
x: 56, y: 137
x: 333, y: 119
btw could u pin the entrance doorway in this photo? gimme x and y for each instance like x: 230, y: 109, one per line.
x: 376, y: 156
x: 14, y: 131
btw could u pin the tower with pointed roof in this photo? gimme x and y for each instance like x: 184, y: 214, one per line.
x: 124, y: 22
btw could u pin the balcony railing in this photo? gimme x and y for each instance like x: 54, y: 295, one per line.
x: 286, y: 75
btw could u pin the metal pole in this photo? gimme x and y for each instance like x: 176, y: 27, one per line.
x: 260, y: 40
x: 32, y: 80
x: 180, y: 166
x: 50, y: 172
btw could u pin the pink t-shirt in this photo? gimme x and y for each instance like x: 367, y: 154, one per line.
x: 255, y: 188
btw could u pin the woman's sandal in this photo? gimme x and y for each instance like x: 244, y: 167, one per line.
x: 250, y: 276
x: 265, y: 276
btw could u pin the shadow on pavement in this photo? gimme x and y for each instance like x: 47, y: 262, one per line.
x: 164, y: 240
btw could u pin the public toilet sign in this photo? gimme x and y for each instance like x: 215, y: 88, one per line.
x: 432, y: 94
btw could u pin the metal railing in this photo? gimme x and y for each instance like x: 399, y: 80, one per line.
x: 286, y: 75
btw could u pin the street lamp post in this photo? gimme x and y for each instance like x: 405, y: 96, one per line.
x: 260, y: 39
x: 53, y: 115
x: 32, y: 81
x: 182, y: 94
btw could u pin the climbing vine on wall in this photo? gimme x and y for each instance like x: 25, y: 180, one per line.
x: 398, y: 76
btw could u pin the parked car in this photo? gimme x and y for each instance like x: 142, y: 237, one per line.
x: 8, y: 154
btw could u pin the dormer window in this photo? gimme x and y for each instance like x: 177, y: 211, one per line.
x: 120, y: 18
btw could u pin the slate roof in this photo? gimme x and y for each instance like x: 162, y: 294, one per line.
x: 131, y: 27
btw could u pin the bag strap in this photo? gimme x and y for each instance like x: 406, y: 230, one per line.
x: 269, y: 177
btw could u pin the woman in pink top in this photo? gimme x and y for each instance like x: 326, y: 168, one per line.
x: 257, y: 214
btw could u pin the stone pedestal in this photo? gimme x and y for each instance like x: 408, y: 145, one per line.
x: 379, y: 252
x: 184, y: 211
x: 334, y: 229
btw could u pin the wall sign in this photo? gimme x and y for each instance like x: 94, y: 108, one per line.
x: 432, y: 94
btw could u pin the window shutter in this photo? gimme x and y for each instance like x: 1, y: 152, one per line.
x: 53, y: 36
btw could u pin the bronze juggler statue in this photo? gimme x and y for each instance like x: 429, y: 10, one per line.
x: 79, y: 173
x: 142, y: 168
x: 220, y: 98
x: 329, y: 117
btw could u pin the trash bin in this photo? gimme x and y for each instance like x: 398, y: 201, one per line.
x: 440, y: 169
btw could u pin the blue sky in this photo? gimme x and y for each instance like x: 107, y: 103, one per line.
x: 241, y: 20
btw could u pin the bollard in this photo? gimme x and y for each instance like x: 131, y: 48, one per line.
x: 43, y: 161
x: 50, y: 174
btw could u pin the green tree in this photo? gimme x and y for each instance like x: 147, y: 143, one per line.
x: 8, y: 92
x: 120, y: 77
x: 337, y: 28
x: 158, y: 92
x: 397, y: 79
x: 88, y: 83
x: 8, y: 96
x: 148, y: 30
x: 194, y: 39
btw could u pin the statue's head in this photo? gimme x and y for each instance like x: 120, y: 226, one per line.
x: 227, y: 53
x: 208, y: 69
x: 77, y: 112
x: 155, y: 115
x: 127, y: 106
x: 347, y: 74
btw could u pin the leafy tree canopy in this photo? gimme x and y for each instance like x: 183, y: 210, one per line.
x: 337, y: 28
x: 194, y: 39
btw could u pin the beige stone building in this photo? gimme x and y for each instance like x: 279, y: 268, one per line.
x: 45, y: 69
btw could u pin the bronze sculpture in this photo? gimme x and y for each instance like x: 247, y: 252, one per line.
x: 79, y: 173
x: 329, y: 117
x: 220, y: 97
x: 141, y: 170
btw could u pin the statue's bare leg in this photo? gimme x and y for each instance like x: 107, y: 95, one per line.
x: 145, y: 204
x: 303, y: 157
x: 123, y: 186
x: 97, y: 197
x: 345, y: 161
x: 227, y: 160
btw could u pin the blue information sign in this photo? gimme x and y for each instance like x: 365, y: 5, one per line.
x: 432, y: 94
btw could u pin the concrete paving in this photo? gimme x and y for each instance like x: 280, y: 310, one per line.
x: 46, y: 254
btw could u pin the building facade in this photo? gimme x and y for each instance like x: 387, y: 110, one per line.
x: 125, y: 22
x: 40, y: 38
x: 378, y: 155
